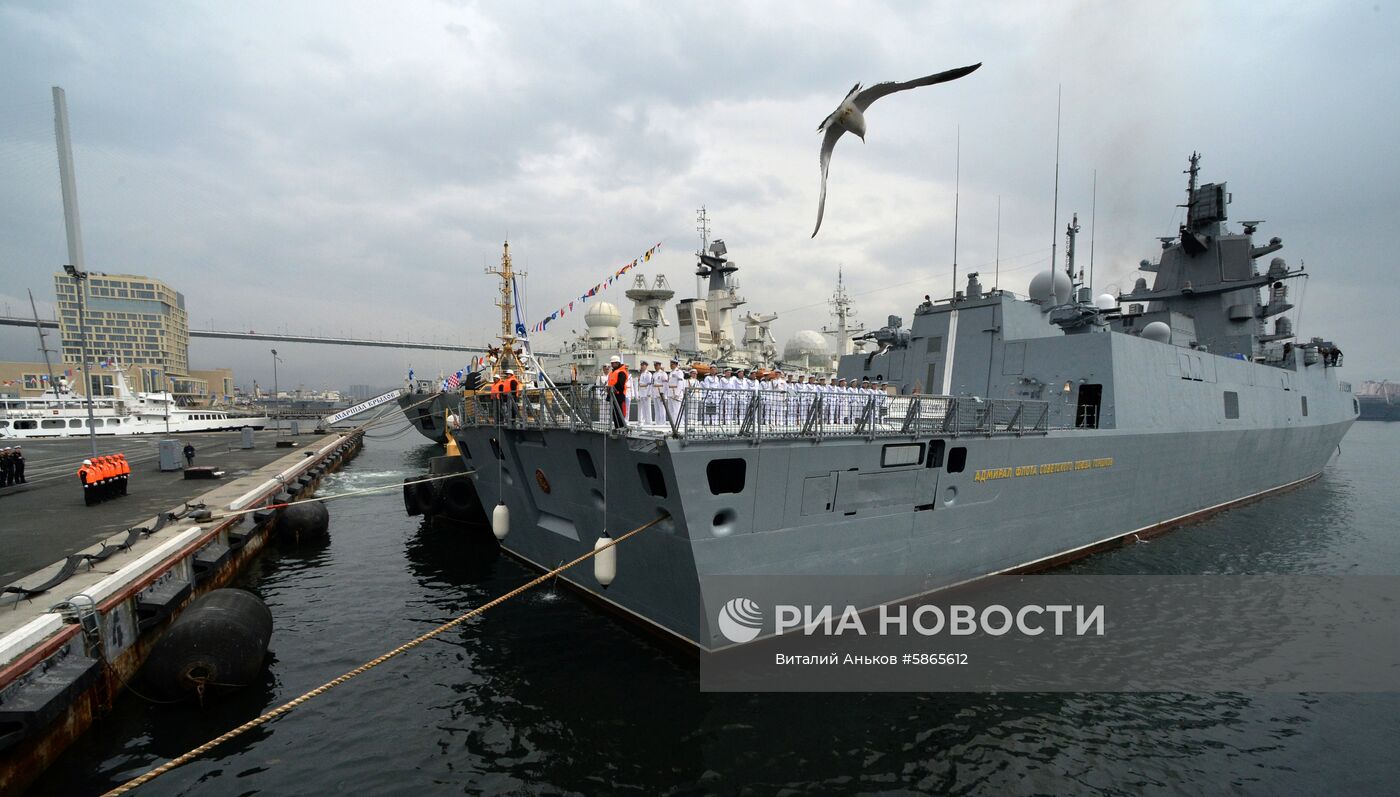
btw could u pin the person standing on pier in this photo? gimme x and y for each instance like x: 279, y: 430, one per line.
x: 86, y: 477
x: 189, y: 455
x: 6, y: 468
x: 17, y: 470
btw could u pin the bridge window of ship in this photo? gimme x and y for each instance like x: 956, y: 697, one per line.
x: 652, y: 480
x: 726, y: 475
x: 896, y: 454
x: 1305, y: 405
x: 1086, y: 413
x: 53, y: 423
x: 74, y: 423
x: 957, y: 459
x: 1232, y: 404
x: 25, y: 425
x: 585, y: 464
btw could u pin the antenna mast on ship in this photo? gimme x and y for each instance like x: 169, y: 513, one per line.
x: 842, y: 311
x: 702, y: 226
x: 957, y: 201
x: 1055, y: 213
x: 507, y: 304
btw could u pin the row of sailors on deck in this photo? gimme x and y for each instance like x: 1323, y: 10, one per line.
x: 725, y: 397
x: 788, y: 400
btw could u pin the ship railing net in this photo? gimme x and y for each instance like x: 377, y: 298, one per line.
x: 705, y: 413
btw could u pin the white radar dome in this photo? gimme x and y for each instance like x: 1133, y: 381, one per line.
x: 1105, y: 301
x: 603, y: 314
x: 1157, y: 331
x: 1051, y: 288
x: 804, y: 344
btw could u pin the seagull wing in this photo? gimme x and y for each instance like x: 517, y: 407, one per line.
x: 828, y: 144
x: 875, y: 92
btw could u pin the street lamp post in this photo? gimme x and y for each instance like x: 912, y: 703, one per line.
x: 80, y: 281
x: 275, y: 391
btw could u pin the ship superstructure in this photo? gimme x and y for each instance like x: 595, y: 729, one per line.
x: 706, y: 326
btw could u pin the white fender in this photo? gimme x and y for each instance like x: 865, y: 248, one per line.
x: 500, y: 521
x: 605, y: 562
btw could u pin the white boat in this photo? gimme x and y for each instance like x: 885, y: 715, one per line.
x: 61, y: 413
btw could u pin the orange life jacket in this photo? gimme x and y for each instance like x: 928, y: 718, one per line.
x: 613, y: 376
x: 85, y: 474
x: 123, y: 467
x: 512, y: 386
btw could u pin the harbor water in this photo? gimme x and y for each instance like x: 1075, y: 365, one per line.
x: 546, y: 695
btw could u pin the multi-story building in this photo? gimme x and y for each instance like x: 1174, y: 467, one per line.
x: 132, y: 321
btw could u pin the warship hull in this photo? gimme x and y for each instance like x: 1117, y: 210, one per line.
x: 427, y: 413
x: 968, y: 505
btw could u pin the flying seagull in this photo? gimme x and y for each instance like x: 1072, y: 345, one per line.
x: 850, y: 115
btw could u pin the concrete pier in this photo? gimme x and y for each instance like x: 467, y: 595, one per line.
x: 65, y: 653
x: 45, y: 520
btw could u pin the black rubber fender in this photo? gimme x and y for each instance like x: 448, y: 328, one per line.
x: 410, y: 499
x: 460, y: 501
x: 219, y: 641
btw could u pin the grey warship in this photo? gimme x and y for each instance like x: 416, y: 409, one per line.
x: 1018, y: 433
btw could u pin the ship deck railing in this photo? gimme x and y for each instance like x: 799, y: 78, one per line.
x: 703, y: 413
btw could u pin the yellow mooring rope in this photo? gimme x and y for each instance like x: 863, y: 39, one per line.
x: 363, y: 668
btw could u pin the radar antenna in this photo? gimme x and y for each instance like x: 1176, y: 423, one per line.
x: 702, y: 226
x: 843, y: 312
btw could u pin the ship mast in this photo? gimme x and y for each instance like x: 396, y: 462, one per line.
x: 507, y: 304
x: 702, y: 226
x: 843, y: 313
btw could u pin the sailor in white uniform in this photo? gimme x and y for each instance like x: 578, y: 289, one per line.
x: 729, y: 412
x: 781, y: 410
x: 709, y: 398
x: 643, y: 399
x: 676, y: 390
x: 659, y: 380
x: 804, y: 387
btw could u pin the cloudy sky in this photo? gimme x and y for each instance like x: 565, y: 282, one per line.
x: 336, y: 168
